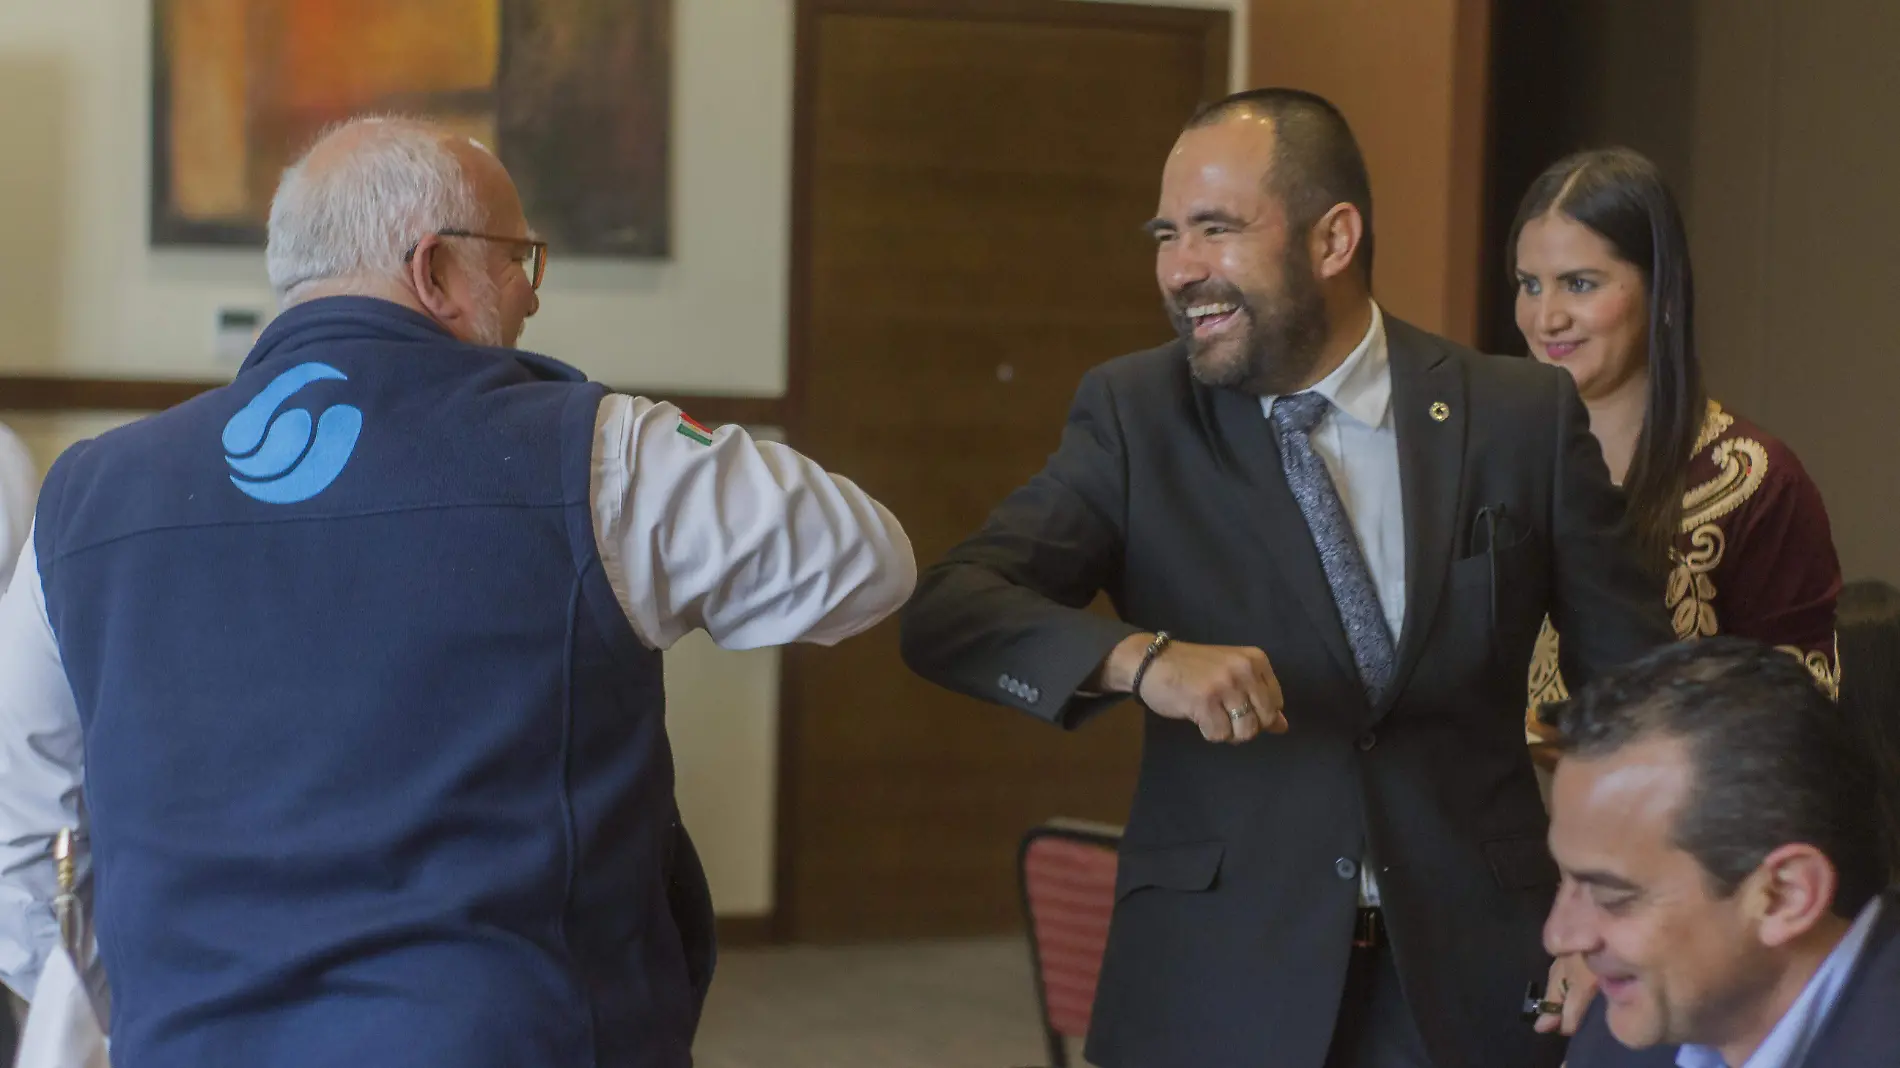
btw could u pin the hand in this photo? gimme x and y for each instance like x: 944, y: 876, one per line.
x: 1575, y: 986
x: 1199, y: 683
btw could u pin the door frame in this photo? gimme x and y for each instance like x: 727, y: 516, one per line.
x: 1217, y: 26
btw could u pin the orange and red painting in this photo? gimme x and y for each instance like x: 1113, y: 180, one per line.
x: 573, y: 95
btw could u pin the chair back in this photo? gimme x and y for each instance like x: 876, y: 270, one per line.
x: 1067, y: 870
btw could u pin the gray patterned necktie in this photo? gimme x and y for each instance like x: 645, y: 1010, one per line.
x: 1367, y: 631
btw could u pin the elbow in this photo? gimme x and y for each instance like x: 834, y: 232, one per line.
x: 911, y: 642
x: 918, y: 632
x: 903, y: 576
x: 889, y: 586
x: 900, y: 572
x: 899, y: 585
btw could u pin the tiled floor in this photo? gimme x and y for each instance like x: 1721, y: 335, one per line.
x: 917, y: 1005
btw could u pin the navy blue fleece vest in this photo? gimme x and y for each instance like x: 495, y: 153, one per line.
x: 377, y: 770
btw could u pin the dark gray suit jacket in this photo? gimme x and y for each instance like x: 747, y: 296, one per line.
x: 1232, y: 926
x: 1862, y: 1031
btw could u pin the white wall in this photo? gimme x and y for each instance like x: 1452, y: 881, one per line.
x: 82, y: 294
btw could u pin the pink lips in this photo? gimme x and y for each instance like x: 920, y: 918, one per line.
x: 1617, y: 989
x: 1558, y: 350
x: 1213, y: 325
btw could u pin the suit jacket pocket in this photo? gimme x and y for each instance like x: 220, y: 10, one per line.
x: 1505, y: 592
x: 1522, y: 863
x: 1506, y: 561
x: 1191, y: 867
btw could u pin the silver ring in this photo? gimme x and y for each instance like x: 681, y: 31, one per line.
x: 1238, y: 714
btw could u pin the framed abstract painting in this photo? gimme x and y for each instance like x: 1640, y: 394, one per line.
x: 573, y: 95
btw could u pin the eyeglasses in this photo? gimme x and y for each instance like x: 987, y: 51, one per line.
x: 533, y: 260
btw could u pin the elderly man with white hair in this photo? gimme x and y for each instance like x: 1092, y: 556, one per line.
x: 351, y: 670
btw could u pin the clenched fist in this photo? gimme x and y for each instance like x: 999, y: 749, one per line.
x: 1205, y: 684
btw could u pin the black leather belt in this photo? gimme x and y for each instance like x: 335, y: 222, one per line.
x: 1368, y: 929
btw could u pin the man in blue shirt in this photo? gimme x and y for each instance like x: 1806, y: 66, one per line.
x: 1723, y: 869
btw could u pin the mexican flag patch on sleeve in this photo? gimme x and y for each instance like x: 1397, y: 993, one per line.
x: 694, y: 429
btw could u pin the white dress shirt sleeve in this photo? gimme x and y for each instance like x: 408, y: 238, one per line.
x: 747, y: 539
x: 41, y: 773
x: 18, y: 490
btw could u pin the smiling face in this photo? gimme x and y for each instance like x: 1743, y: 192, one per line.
x: 1580, y: 306
x: 1238, y: 282
x: 1676, y: 962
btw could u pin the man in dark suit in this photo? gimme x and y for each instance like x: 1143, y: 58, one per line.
x: 1333, y: 536
x: 1715, y: 818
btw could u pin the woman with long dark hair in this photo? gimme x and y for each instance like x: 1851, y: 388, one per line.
x: 1724, y: 513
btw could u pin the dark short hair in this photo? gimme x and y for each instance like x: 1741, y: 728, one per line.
x: 1621, y: 196
x: 1772, y: 761
x: 1316, y: 160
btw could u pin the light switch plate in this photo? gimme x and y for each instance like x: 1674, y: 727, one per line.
x: 237, y: 331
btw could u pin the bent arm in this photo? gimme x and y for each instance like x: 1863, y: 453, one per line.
x: 1003, y: 616
x: 747, y: 539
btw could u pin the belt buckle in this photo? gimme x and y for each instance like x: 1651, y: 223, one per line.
x: 1368, y: 929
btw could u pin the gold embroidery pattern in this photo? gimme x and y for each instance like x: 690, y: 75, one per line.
x: 1690, y: 596
x: 1547, y: 682
x: 1742, y: 464
x: 1826, y: 672
x: 1714, y: 425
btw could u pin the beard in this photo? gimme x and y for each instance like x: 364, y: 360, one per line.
x: 485, y: 324
x: 1284, y: 335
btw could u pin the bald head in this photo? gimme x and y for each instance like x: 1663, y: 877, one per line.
x: 1314, y: 161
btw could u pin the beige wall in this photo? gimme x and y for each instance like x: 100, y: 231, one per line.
x: 1410, y: 77
x: 82, y: 294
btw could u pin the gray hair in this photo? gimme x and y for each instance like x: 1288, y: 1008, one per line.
x: 351, y: 220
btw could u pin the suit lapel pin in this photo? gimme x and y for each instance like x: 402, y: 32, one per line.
x: 1440, y: 411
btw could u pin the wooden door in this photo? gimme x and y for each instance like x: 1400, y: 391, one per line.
x: 971, y: 177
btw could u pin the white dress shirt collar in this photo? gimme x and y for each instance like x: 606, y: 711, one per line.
x: 1787, y: 1045
x: 1361, y: 387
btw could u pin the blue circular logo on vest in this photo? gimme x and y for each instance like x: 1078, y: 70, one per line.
x: 281, y: 459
